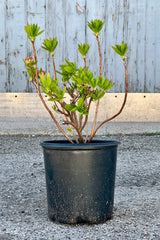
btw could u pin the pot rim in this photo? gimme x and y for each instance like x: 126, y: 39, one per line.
x: 65, y: 144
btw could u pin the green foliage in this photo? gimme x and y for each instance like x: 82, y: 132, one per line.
x: 97, y: 94
x: 32, y: 73
x: 51, y: 88
x: 32, y: 31
x: 121, y: 49
x: 100, y: 86
x: 96, y: 26
x: 69, y: 129
x: 67, y: 70
x: 82, y: 78
x: 104, y: 83
x: 83, y: 49
x: 50, y: 45
x: 80, y: 107
x: 78, y: 82
x: 30, y: 63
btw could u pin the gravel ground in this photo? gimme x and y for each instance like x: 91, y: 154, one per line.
x: 23, y: 193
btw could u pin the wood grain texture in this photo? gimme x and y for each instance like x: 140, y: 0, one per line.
x: 136, y: 22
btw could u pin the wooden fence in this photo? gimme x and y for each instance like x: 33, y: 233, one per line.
x: 135, y: 22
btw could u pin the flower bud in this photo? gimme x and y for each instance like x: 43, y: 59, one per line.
x: 42, y: 73
x: 29, y: 60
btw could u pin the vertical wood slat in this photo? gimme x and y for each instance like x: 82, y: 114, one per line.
x: 136, y: 22
x: 36, y: 14
x: 75, y: 29
x: 114, y: 35
x: 66, y: 22
x: 157, y: 48
x: 15, y: 50
x: 3, y: 62
x: 152, y: 10
x: 136, y: 38
x: 55, y: 27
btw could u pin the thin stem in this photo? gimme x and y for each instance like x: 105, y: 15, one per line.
x: 80, y: 121
x: 100, y: 56
x: 85, y: 64
x: 86, y: 118
x: 81, y: 140
x: 45, y: 105
x: 100, y: 72
x: 86, y: 132
x: 75, y: 136
x: 54, y: 67
x: 75, y: 117
x: 70, y: 127
x: 95, y: 119
x: 124, y: 102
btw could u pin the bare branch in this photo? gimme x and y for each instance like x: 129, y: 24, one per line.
x: 54, y: 67
x: 100, y: 71
x: 124, y: 102
x: 44, y: 103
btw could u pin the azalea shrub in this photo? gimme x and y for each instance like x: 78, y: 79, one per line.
x: 79, y: 83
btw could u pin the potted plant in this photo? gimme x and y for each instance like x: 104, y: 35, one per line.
x: 80, y: 171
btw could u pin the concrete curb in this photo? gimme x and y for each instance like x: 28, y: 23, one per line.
x: 48, y: 128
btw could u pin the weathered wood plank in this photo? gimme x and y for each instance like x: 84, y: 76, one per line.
x: 75, y: 29
x: 95, y: 11
x: 157, y: 48
x: 136, y: 22
x: 55, y: 27
x: 36, y: 14
x: 66, y: 21
x: 115, y: 35
x: 152, y: 45
x: 15, y: 49
x: 3, y: 62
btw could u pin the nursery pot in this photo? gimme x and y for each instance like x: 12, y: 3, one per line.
x: 80, y: 180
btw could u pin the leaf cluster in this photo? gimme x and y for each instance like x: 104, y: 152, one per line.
x: 79, y: 82
x: 80, y: 107
x: 121, y: 49
x: 32, y: 31
x: 30, y: 67
x: 50, y: 45
x: 50, y: 87
x: 96, y: 26
x: 83, y: 49
x: 67, y: 70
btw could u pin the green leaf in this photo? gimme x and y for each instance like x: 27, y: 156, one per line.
x: 104, y: 83
x: 67, y: 70
x: 51, y: 86
x: 83, y: 49
x: 44, y: 90
x: 53, y: 99
x: 96, y: 26
x: 32, y: 31
x: 80, y: 102
x: 97, y: 94
x: 121, y: 49
x: 69, y: 129
x: 70, y: 108
x: 54, y: 108
x: 100, y: 95
x: 50, y: 45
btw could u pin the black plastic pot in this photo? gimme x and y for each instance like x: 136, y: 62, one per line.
x: 80, y: 180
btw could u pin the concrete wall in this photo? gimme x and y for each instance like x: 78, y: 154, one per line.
x: 28, y: 107
x: 136, y: 22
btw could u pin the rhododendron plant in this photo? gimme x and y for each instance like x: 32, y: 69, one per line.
x: 79, y: 83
